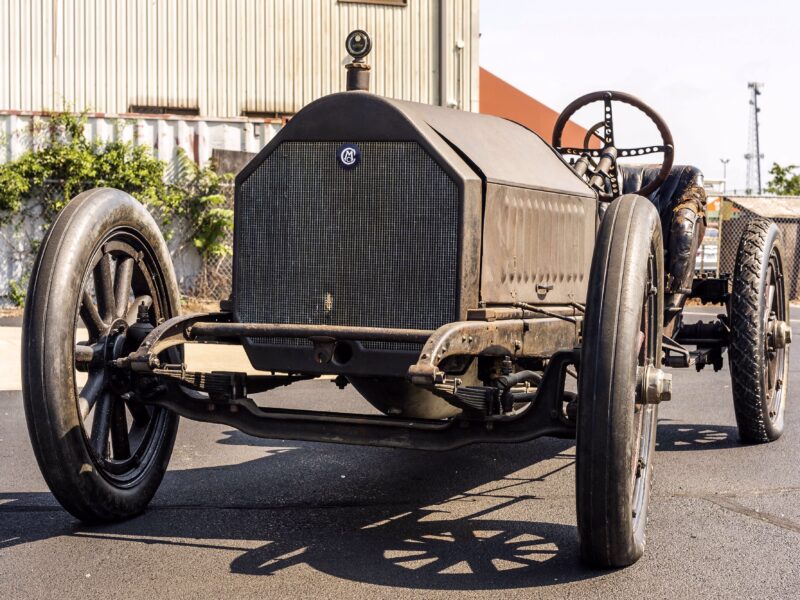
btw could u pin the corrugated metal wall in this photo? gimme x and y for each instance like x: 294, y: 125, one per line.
x: 228, y: 57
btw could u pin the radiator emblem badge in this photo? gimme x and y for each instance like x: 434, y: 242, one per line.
x: 349, y: 156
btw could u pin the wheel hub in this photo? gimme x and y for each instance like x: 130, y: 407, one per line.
x: 116, y: 346
x: 655, y: 385
x: 780, y: 333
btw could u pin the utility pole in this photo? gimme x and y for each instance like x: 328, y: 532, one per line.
x: 724, y: 162
x: 754, y: 155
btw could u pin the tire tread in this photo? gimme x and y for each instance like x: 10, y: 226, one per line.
x: 746, y: 335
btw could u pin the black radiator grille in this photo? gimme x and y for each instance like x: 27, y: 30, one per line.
x: 375, y: 246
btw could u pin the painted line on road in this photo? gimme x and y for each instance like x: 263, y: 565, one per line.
x: 733, y: 506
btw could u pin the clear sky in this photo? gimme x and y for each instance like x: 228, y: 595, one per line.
x: 690, y: 60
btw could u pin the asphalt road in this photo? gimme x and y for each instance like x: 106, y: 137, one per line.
x: 240, y: 517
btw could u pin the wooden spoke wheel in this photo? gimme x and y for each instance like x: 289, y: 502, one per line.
x: 102, y: 280
x: 620, y: 384
x: 760, y: 334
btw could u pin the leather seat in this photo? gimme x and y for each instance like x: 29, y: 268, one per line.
x: 681, y: 203
x: 681, y: 179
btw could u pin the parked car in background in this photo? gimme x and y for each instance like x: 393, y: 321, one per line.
x: 707, y: 258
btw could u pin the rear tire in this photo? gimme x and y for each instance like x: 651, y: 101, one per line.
x: 616, y: 431
x: 103, y: 267
x: 759, y: 369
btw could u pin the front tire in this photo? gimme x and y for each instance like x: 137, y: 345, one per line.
x: 616, y: 428
x: 759, y: 347
x: 102, y: 278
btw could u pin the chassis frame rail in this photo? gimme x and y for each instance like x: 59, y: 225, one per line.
x: 542, y: 417
x: 221, y: 397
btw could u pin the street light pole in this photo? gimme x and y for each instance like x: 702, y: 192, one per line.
x: 724, y: 162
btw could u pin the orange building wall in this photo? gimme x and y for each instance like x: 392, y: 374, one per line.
x: 501, y: 99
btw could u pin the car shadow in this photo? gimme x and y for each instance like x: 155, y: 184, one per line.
x: 461, y: 520
x: 679, y: 437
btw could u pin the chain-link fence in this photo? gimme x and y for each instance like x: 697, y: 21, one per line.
x: 21, y: 233
x: 213, y: 280
x: 734, y: 221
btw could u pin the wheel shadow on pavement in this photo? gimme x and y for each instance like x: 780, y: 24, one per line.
x: 429, y: 529
x: 674, y: 436
x: 469, y: 519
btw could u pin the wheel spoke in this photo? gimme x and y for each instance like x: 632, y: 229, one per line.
x: 91, y: 392
x: 101, y: 425
x: 84, y: 354
x: 141, y: 416
x: 119, y: 431
x: 122, y: 286
x: 771, y: 374
x: 134, y: 308
x: 640, y: 348
x: 104, y: 287
x: 91, y: 317
x: 770, y: 297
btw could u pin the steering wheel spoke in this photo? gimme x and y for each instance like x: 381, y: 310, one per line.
x: 608, y: 121
x: 614, y: 182
x: 580, y: 151
x: 644, y: 150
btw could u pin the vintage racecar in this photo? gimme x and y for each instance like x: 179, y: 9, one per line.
x: 470, y: 281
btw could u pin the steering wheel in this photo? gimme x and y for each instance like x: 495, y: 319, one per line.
x: 606, y: 165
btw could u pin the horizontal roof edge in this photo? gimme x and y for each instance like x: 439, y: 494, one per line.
x: 768, y: 206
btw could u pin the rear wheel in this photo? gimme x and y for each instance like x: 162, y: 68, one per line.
x: 760, y: 334
x: 102, y: 279
x: 620, y: 384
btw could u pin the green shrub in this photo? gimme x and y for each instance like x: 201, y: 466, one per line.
x: 61, y: 153
x: 17, y: 292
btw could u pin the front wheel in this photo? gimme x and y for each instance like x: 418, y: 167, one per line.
x: 620, y: 384
x: 102, y: 279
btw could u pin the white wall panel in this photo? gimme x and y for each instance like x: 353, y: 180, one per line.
x: 197, y: 136
x: 226, y: 57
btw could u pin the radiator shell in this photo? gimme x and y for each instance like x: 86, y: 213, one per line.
x: 374, y: 246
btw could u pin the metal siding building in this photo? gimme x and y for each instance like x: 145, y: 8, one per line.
x: 227, y: 59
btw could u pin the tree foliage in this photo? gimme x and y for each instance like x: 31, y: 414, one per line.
x: 785, y: 180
